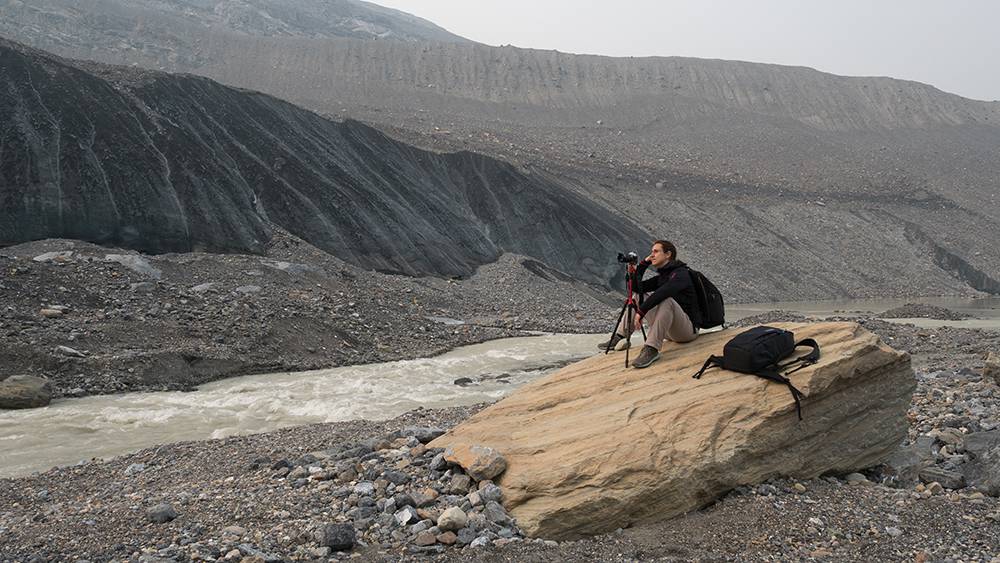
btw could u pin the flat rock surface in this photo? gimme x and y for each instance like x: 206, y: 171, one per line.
x: 688, y: 440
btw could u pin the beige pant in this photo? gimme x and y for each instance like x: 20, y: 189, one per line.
x: 666, y: 321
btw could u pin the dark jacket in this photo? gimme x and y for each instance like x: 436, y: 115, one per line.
x: 672, y: 280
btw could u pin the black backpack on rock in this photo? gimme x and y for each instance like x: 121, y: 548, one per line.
x: 713, y: 311
x: 759, y: 351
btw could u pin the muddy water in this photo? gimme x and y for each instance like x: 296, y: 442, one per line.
x: 72, y: 430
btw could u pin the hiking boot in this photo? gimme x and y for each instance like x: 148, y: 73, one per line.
x: 646, y: 357
x: 617, y: 343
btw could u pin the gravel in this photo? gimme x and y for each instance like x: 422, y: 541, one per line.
x: 923, y: 311
x: 305, y: 493
x: 94, y: 326
x: 287, y: 495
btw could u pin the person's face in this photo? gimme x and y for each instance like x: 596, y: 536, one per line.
x: 658, y: 257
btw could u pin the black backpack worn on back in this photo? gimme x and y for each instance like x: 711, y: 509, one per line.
x: 713, y: 311
x: 759, y: 351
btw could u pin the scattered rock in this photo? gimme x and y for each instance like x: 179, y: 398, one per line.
x: 143, y: 287
x: 136, y: 263
x: 67, y: 351
x: 425, y: 539
x: 25, y: 392
x: 991, y: 369
x: 338, y: 537
x: 202, y: 288
x: 423, y: 433
x: 134, y: 469
x: 857, y: 479
x: 948, y: 479
x: 452, y: 519
x: 57, y: 256
x: 161, y: 513
x: 480, y: 462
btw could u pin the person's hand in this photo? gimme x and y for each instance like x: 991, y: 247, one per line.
x: 648, y: 259
x: 637, y: 321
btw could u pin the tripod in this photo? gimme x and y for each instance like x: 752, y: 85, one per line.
x: 629, y: 308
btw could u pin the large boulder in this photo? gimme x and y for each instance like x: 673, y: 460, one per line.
x: 595, y: 446
x: 25, y: 392
x: 983, y: 469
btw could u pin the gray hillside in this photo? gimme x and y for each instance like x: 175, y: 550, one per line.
x: 165, y: 163
x: 781, y: 182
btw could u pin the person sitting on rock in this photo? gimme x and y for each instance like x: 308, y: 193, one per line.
x: 668, y: 304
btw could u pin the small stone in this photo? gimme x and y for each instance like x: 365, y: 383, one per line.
x: 481, y: 541
x: 438, y: 463
x: 338, y: 537
x: 491, y: 492
x: 466, y: 536
x: 67, y: 351
x: 947, y: 479
x: 496, y: 513
x: 425, y: 539
x: 856, y: 479
x: 135, y: 263
x: 423, y: 433
x: 161, y: 513
x: 460, y: 484
x: 234, y: 531
x: 202, y: 288
x: 135, y: 468
x: 935, y: 488
x: 58, y: 256
x: 364, y: 488
x: 50, y: 313
x: 142, y: 287
x: 991, y: 369
x: 799, y: 488
x: 406, y: 515
x: 480, y: 462
x: 447, y: 538
x: 893, y: 531
x: 397, y: 477
x: 452, y: 519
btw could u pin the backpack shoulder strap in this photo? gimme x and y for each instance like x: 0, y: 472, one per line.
x: 711, y: 362
x: 811, y: 357
x: 778, y: 378
x: 803, y: 361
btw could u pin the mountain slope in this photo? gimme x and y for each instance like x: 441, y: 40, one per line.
x: 166, y: 163
x: 141, y: 24
x: 737, y: 162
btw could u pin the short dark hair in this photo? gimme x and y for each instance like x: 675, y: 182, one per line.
x: 667, y: 246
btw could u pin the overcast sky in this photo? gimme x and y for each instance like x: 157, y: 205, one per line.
x: 953, y: 45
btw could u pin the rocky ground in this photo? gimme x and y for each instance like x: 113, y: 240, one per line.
x: 303, y: 493
x: 96, y: 320
x: 924, y: 311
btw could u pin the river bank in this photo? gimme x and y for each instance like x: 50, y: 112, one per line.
x: 98, y: 510
x: 98, y: 321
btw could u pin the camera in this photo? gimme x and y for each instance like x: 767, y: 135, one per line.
x: 630, y: 258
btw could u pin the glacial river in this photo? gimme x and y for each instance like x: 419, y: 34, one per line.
x: 72, y: 430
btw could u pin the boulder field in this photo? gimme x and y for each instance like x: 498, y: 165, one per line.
x: 597, y: 446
